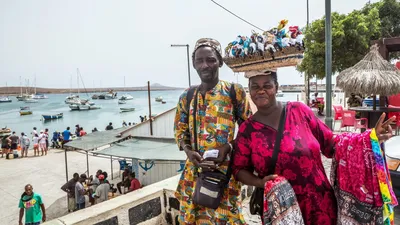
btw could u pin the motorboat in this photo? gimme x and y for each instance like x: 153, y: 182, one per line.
x: 163, y: 102
x: 127, y: 109
x: 159, y: 99
x: 5, y: 99
x: 23, y: 97
x: 31, y: 100
x: 25, y: 111
x: 79, y: 107
x: 53, y: 116
x: 121, y: 101
x: 126, y: 97
x: 39, y: 96
x: 95, y: 96
x: 110, y: 95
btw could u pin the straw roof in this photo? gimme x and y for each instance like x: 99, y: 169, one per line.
x: 372, y: 75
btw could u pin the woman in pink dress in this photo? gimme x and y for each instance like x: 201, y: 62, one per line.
x: 304, y: 138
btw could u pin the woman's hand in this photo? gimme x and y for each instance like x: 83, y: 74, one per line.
x: 262, y: 182
x: 383, y: 129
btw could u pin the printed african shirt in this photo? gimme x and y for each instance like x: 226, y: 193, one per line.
x: 215, y: 126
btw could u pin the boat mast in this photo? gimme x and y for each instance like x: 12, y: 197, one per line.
x: 20, y: 84
x: 35, y: 83
x: 77, y: 79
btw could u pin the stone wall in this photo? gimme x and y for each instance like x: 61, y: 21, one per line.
x: 153, y: 204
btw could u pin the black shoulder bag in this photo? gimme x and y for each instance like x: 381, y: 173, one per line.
x: 257, y: 198
x: 210, y: 185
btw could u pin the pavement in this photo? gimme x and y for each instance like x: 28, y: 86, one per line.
x: 46, y: 174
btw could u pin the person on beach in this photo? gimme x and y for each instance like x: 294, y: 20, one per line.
x: 125, y: 182
x: 14, y: 141
x: 42, y: 142
x: 319, y: 105
x: 80, y: 192
x: 219, y: 105
x: 135, y: 184
x: 35, y: 145
x: 69, y: 188
x: 66, y: 136
x: 93, y: 184
x: 31, y: 204
x: 77, y: 130
x: 24, y: 142
x: 82, y: 132
x: 102, y: 190
x: 5, y: 145
x: 109, y: 126
x: 299, y: 161
x: 34, y: 131
x: 46, y: 132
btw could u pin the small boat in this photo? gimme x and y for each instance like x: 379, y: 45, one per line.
x: 279, y: 94
x: 31, y: 100
x: 121, y: 101
x: 25, y: 112
x: 52, y: 117
x: 127, y: 109
x: 5, y: 132
x: 126, y: 97
x: 39, y: 96
x: 79, y: 107
x: 163, y: 102
x: 92, y: 107
x: 5, y: 99
x: 23, y: 97
x: 159, y: 99
x: 110, y: 95
x: 95, y: 96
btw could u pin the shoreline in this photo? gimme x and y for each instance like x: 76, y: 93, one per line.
x: 15, y: 91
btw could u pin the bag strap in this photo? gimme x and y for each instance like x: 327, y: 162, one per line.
x: 194, y: 118
x: 278, y: 139
x: 189, y: 97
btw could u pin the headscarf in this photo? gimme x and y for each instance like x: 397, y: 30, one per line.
x: 209, y: 42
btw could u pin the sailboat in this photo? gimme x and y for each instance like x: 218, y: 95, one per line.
x: 5, y: 99
x: 125, y: 96
x: 80, y: 103
x: 22, y: 97
x: 36, y: 95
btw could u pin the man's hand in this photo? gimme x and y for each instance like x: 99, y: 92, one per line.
x: 44, y: 218
x: 224, y: 150
x: 194, y: 157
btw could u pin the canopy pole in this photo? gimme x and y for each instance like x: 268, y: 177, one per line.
x: 151, y: 123
x: 328, y: 63
x: 66, y: 164
x: 374, y: 103
x: 87, y: 163
x: 112, y: 173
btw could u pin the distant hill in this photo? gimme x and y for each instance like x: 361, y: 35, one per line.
x: 17, y: 90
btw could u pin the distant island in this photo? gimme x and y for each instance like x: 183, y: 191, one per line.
x: 17, y: 90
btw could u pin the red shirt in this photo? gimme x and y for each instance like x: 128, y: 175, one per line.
x: 82, y: 133
x: 135, y: 184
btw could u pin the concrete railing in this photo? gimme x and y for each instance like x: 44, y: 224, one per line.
x: 153, y: 204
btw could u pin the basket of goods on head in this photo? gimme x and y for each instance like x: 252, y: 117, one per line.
x: 272, y: 49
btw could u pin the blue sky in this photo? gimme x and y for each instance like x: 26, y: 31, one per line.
x: 108, y: 40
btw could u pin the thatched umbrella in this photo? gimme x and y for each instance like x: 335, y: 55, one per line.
x: 372, y: 75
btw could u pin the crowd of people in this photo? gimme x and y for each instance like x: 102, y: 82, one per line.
x: 97, y: 188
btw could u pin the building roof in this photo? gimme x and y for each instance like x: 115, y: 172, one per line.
x: 154, y: 149
x: 92, y: 141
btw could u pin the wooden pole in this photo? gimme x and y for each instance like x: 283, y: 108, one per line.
x: 151, y: 122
